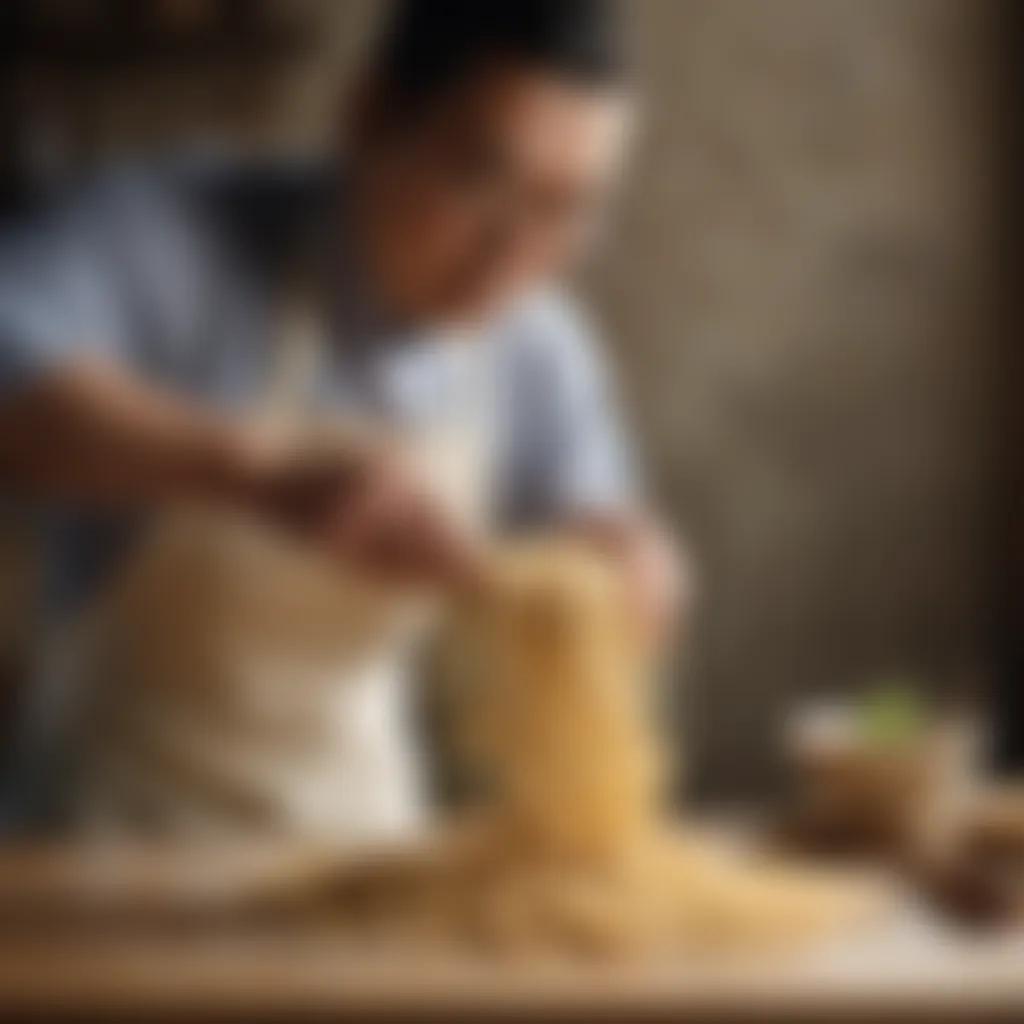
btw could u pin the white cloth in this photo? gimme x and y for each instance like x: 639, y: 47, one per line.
x: 237, y: 682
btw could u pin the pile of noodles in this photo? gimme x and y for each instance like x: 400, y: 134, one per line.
x: 575, y: 849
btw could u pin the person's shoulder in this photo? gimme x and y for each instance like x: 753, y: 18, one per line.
x: 96, y: 210
x: 550, y: 328
x: 250, y: 184
x: 122, y: 194
x: 266, y: 197
x: 207, y: 179
x: 265, y: 200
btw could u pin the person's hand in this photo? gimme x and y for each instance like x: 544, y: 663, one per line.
x: 373, y: 512
x: 657, y: 573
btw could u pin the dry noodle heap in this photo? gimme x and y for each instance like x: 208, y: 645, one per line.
x: 575, y: 849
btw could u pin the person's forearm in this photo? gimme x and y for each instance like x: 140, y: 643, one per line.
x: 95, y: 434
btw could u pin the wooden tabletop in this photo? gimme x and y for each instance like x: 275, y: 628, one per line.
x: 121, y: 952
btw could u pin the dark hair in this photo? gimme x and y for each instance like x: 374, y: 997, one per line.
x: 429, y: 46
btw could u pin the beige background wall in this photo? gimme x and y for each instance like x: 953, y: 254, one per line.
x: 796, y: 293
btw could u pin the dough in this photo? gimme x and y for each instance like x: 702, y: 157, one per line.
x: 574, y: 849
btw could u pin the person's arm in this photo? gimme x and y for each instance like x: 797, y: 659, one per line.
x: 74, y: 276
x: 77, y: 422
x: 95, y: 434
x: 577, y: 470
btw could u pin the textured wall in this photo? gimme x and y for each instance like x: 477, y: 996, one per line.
x: 796, y: 295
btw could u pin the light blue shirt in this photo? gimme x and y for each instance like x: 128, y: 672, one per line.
x: 175, y: 271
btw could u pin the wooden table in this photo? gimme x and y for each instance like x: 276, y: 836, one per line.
x: 909, y: 969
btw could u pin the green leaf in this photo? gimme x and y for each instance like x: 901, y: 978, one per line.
x: 891, y: 715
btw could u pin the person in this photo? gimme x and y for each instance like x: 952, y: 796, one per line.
x: 138, y: 316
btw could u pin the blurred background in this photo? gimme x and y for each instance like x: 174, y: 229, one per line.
x: 805, y: 291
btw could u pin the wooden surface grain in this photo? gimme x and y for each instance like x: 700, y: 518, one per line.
x: 127, y: 934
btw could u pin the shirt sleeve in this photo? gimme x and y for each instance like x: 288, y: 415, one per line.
x: 571, y: 452
x: 59, y: 297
